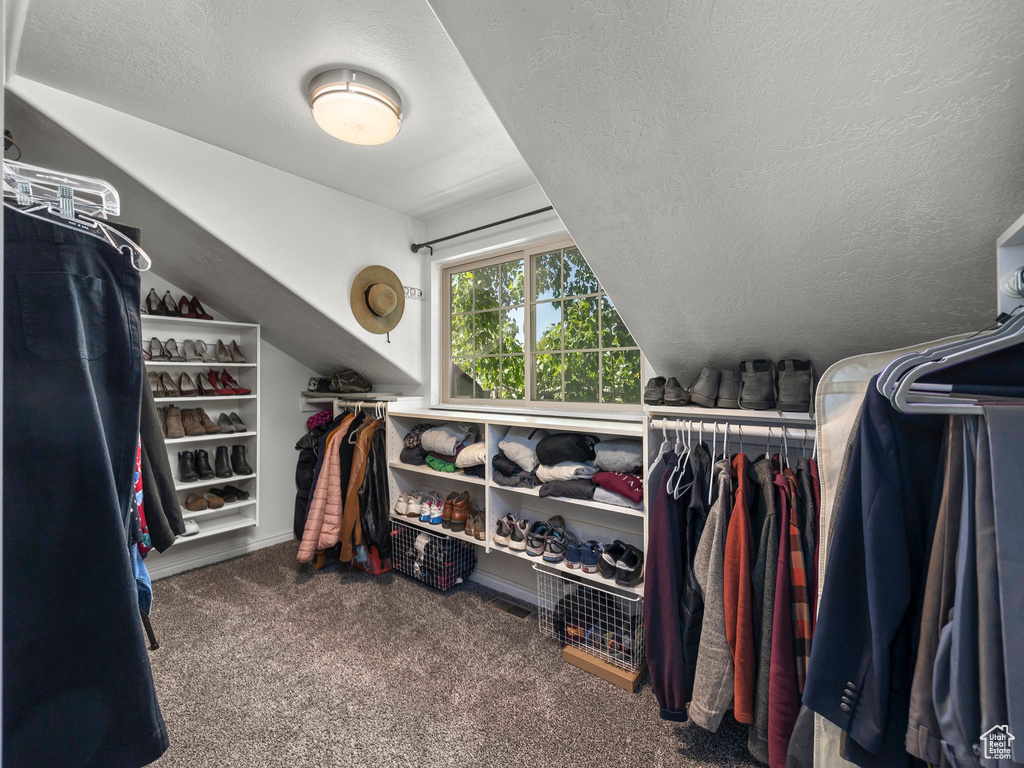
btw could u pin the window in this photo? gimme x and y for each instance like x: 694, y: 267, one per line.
x: 535, y: 327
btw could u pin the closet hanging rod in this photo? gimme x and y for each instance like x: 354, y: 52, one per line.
x: 431, y: 243
x: 747, y: 430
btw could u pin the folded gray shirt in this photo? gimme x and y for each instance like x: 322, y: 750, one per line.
x: 520, y: 446
x: 622, y: 455
x: 447, y: 438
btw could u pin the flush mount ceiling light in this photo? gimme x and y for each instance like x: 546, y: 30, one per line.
x: 355, y: 107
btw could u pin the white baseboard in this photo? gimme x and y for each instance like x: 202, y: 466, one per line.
x: 504, y: 585
x: 160, y: 571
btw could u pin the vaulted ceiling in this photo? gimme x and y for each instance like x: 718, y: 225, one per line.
x: 233, y: 73
x: 808, y: 177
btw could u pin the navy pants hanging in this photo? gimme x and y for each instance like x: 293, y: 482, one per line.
x: 77, y: 685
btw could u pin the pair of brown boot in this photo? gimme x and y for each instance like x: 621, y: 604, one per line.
x: 189, y: 422
x: 455, y: 511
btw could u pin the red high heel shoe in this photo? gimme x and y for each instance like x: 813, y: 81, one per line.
x: 185, y: 309
x: 219, y: 387
x: 199, y: 310
x: 227, y: 380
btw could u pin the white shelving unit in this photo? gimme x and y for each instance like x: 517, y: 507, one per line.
x: 585, y: 518
x: 236, y: 515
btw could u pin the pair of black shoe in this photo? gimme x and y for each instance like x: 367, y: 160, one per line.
x: 622, y: 562
x: 195, y: 465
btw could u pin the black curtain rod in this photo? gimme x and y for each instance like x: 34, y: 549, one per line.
x: 430, y: 244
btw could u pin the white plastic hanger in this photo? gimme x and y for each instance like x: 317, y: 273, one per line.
x: 70, y: 201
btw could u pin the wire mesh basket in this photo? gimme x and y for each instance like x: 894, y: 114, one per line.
x: 435, y: 559
x: 596, y: 620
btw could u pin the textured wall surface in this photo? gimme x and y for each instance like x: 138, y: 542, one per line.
x: 234, y: 73
x: 801, y: 177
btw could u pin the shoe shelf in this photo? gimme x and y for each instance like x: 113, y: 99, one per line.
x: 437, y: 529
x: 563, y: 569
x: 589, y: 503
x: 237, y: 515
x: 233, y: 522
x: 425, y: 470
x: 203, y: 398
x: 209, y: 512
x: 169, y: 364
x: 732, y: 415
x: 209, y: 438
x: 234, y: 479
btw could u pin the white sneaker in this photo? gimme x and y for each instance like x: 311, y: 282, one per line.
x: 413, y: 505
x: 401, y: 504
x: 517, y: 540
x: 191, y: 527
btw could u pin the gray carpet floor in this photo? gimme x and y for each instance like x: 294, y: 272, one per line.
x: 262, y: 663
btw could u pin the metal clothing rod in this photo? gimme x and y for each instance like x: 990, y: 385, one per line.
x: 747, y: 430
x: 431, y: 243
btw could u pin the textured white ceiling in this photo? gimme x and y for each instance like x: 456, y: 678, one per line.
x: 807, y: 177
x: 234, y: 73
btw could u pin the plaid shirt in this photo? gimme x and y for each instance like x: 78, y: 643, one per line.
x: 800, y: 593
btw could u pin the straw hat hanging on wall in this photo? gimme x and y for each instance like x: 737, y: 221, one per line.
x: 378, y: 299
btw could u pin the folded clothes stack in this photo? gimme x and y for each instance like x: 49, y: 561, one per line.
x: 449, y: 447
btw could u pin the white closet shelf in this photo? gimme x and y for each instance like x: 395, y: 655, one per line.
x: 535, y: 493
x: 219, y: 525
x: 438, y: 529
x: 209, y: 438
x: 631, y: 428
x: 197, y: 323
x: 207, y: 512
x: 722, y: 415
x: 203, y: 399
x: 563, y: 568
x: 168, y: 364
x: 214, y: 481
x: 425, y: 470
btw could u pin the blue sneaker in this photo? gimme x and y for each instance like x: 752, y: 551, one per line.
x: 436, y: 510
x: 425, y: 508
x: 572, y: 551
x: 537, y: 537
x: 590, y: 554
x: 554, y: 547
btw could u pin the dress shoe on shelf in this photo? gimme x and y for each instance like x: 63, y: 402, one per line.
x: 190, y: 423
x: 461, y: 508
x: 239, y: 494
x: 237, y: 423
x: 170, y: 308
x: 171, y: 347
x: 236, y: 353
x: 156, y: 350
x: 675, y: 393
x: 446, y: 509
x: 156, y: 385
x: 153, y: 304
x: 170, y: 388
x: 188, y: 349
x: 213, y: 500
x: 206, y: 422
x: 224, y: 422
x: 222, y: 462
x: 222, y: 352
x: 187, y: 467
x: 196, y: 503
x: 202, y: 459
x: 219, y: 387
x: 654, y: 392
x: 238, y: 462
x: 176, y: 426
x: 187, y: 386
x: 198, y: 309
x: 184, y: 308
x: 206, y: 389
x: 203, y: 349
x: 228, y: 382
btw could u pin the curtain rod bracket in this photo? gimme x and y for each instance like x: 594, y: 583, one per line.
x: 415, y: 247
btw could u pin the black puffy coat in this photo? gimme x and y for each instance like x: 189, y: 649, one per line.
x: 374, y: 498
x: 310, y: 447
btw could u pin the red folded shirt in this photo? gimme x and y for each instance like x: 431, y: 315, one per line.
x: 628, y: 486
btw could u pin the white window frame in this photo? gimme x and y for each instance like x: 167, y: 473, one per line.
x: 526, y: 253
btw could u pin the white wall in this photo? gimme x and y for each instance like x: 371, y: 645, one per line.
x: 275, y: 248
x: 281, y: 424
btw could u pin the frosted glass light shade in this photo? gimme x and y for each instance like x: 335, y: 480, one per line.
x: 355, y: 107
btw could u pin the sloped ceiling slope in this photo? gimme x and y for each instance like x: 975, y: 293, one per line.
x: 190, y: 256
x: 797, y: 178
